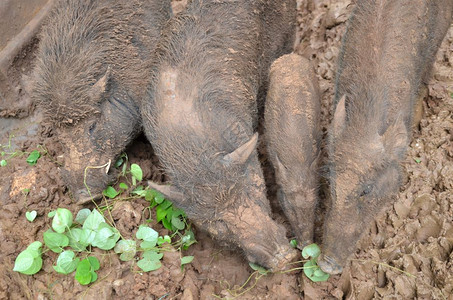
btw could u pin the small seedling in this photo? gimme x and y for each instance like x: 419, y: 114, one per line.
x: 293, y: 243
x: 3, y: 163
x: 31, y: 215
x: 311, y: 268
x: 417, y: 160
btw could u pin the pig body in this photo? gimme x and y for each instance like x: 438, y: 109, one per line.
x: 201, y: 116
x: 89, y: 77
x: 293, y: 136
x: 387, y: 56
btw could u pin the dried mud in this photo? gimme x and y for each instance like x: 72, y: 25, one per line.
x: 406, y: 254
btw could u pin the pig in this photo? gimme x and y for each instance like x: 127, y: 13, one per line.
x: 386, y: 58
x: 201, y: 115
x: 293, y: 136
x: 90, y: 75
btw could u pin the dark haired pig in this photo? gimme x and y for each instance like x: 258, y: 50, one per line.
x: 89, y: 77
x: 201, y: 117
x: 293, y: 135
x: 388, y: 52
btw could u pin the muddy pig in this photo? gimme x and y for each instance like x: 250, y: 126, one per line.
x: 387, y: 56
x: 293, y: 135
x: 92, y: 62
x: 202, y: 113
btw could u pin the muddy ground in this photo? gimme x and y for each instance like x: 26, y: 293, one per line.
x: 406, y: 254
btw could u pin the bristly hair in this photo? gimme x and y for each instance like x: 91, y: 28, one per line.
x: 80, y: 40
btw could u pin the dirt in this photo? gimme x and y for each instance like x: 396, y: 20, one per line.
x: 406, y: 254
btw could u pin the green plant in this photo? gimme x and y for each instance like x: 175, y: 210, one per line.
x: 74, y: 238
x: 7, y: 153
x: 31, y: 215
x: 311, y: 268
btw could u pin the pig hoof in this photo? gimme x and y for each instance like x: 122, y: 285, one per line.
x: 329, y: 265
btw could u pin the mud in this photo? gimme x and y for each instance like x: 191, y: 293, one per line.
x: 407, y: 253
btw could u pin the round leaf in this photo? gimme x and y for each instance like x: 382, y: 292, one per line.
x: 3, y: 163
x: 62, y: 220
x: 186, y: 260
x: 147, y: 234
x: 83, y: 272
x: 258, y: 268
x: 110, y: 192
x: 150, y: 261
x: 93, y: 220
x: 136, y: 172
x: 127, y: 248
x: 66, y: 262
x: 82, y: 215
x: 55, y: 241
x: 31, y: 215
x: 311, y: 251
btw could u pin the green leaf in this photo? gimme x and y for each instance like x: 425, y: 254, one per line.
x: 94, y: 263
x: 188, y: 239
x: 293, y: 243
x: 31, y: 215
x: 51, y: 213
x: 66, y: 262
x: 55, y: 241
x: 164, y: 239
x: 186, y: 260
x: 311, y: 250
x: 106, y: 237
x: 313, y: 272
x: 110, y: 192
x: 159, y: 198
x: 3, y: 163
x: 136, y: 172
x: 167, y: 224
x: 119, y: 162
x: 82, y: 215
x: 85, y: 273
x: 77, y: 239
x: 149, y: 195
x: 123, y: 186
x: 29, y: 261
x: 32, y: 159
x: 93, y: 221
x: 160, y: 213
x: 258, y: 268
x: 176, y: 221
x: 417, y: 160
x: 150, y: 261
x: 127, y: 248
x: 147, y: 234
x: 62, y: 220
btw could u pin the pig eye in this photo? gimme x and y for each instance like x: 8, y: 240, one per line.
x: 92, y: 127
x: 366, y: 190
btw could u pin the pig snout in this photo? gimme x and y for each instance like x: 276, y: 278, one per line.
x: 271, y: 249
x: 329, y: 264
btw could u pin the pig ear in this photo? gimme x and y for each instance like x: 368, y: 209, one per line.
x: 395, y: 138
x: 241, y: 154
x: 100, y: 86
x: 171, y: 193
x: 339, y: 117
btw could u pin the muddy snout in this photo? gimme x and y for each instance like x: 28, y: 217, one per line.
x: 271, y: 249
x: 329, y: 265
